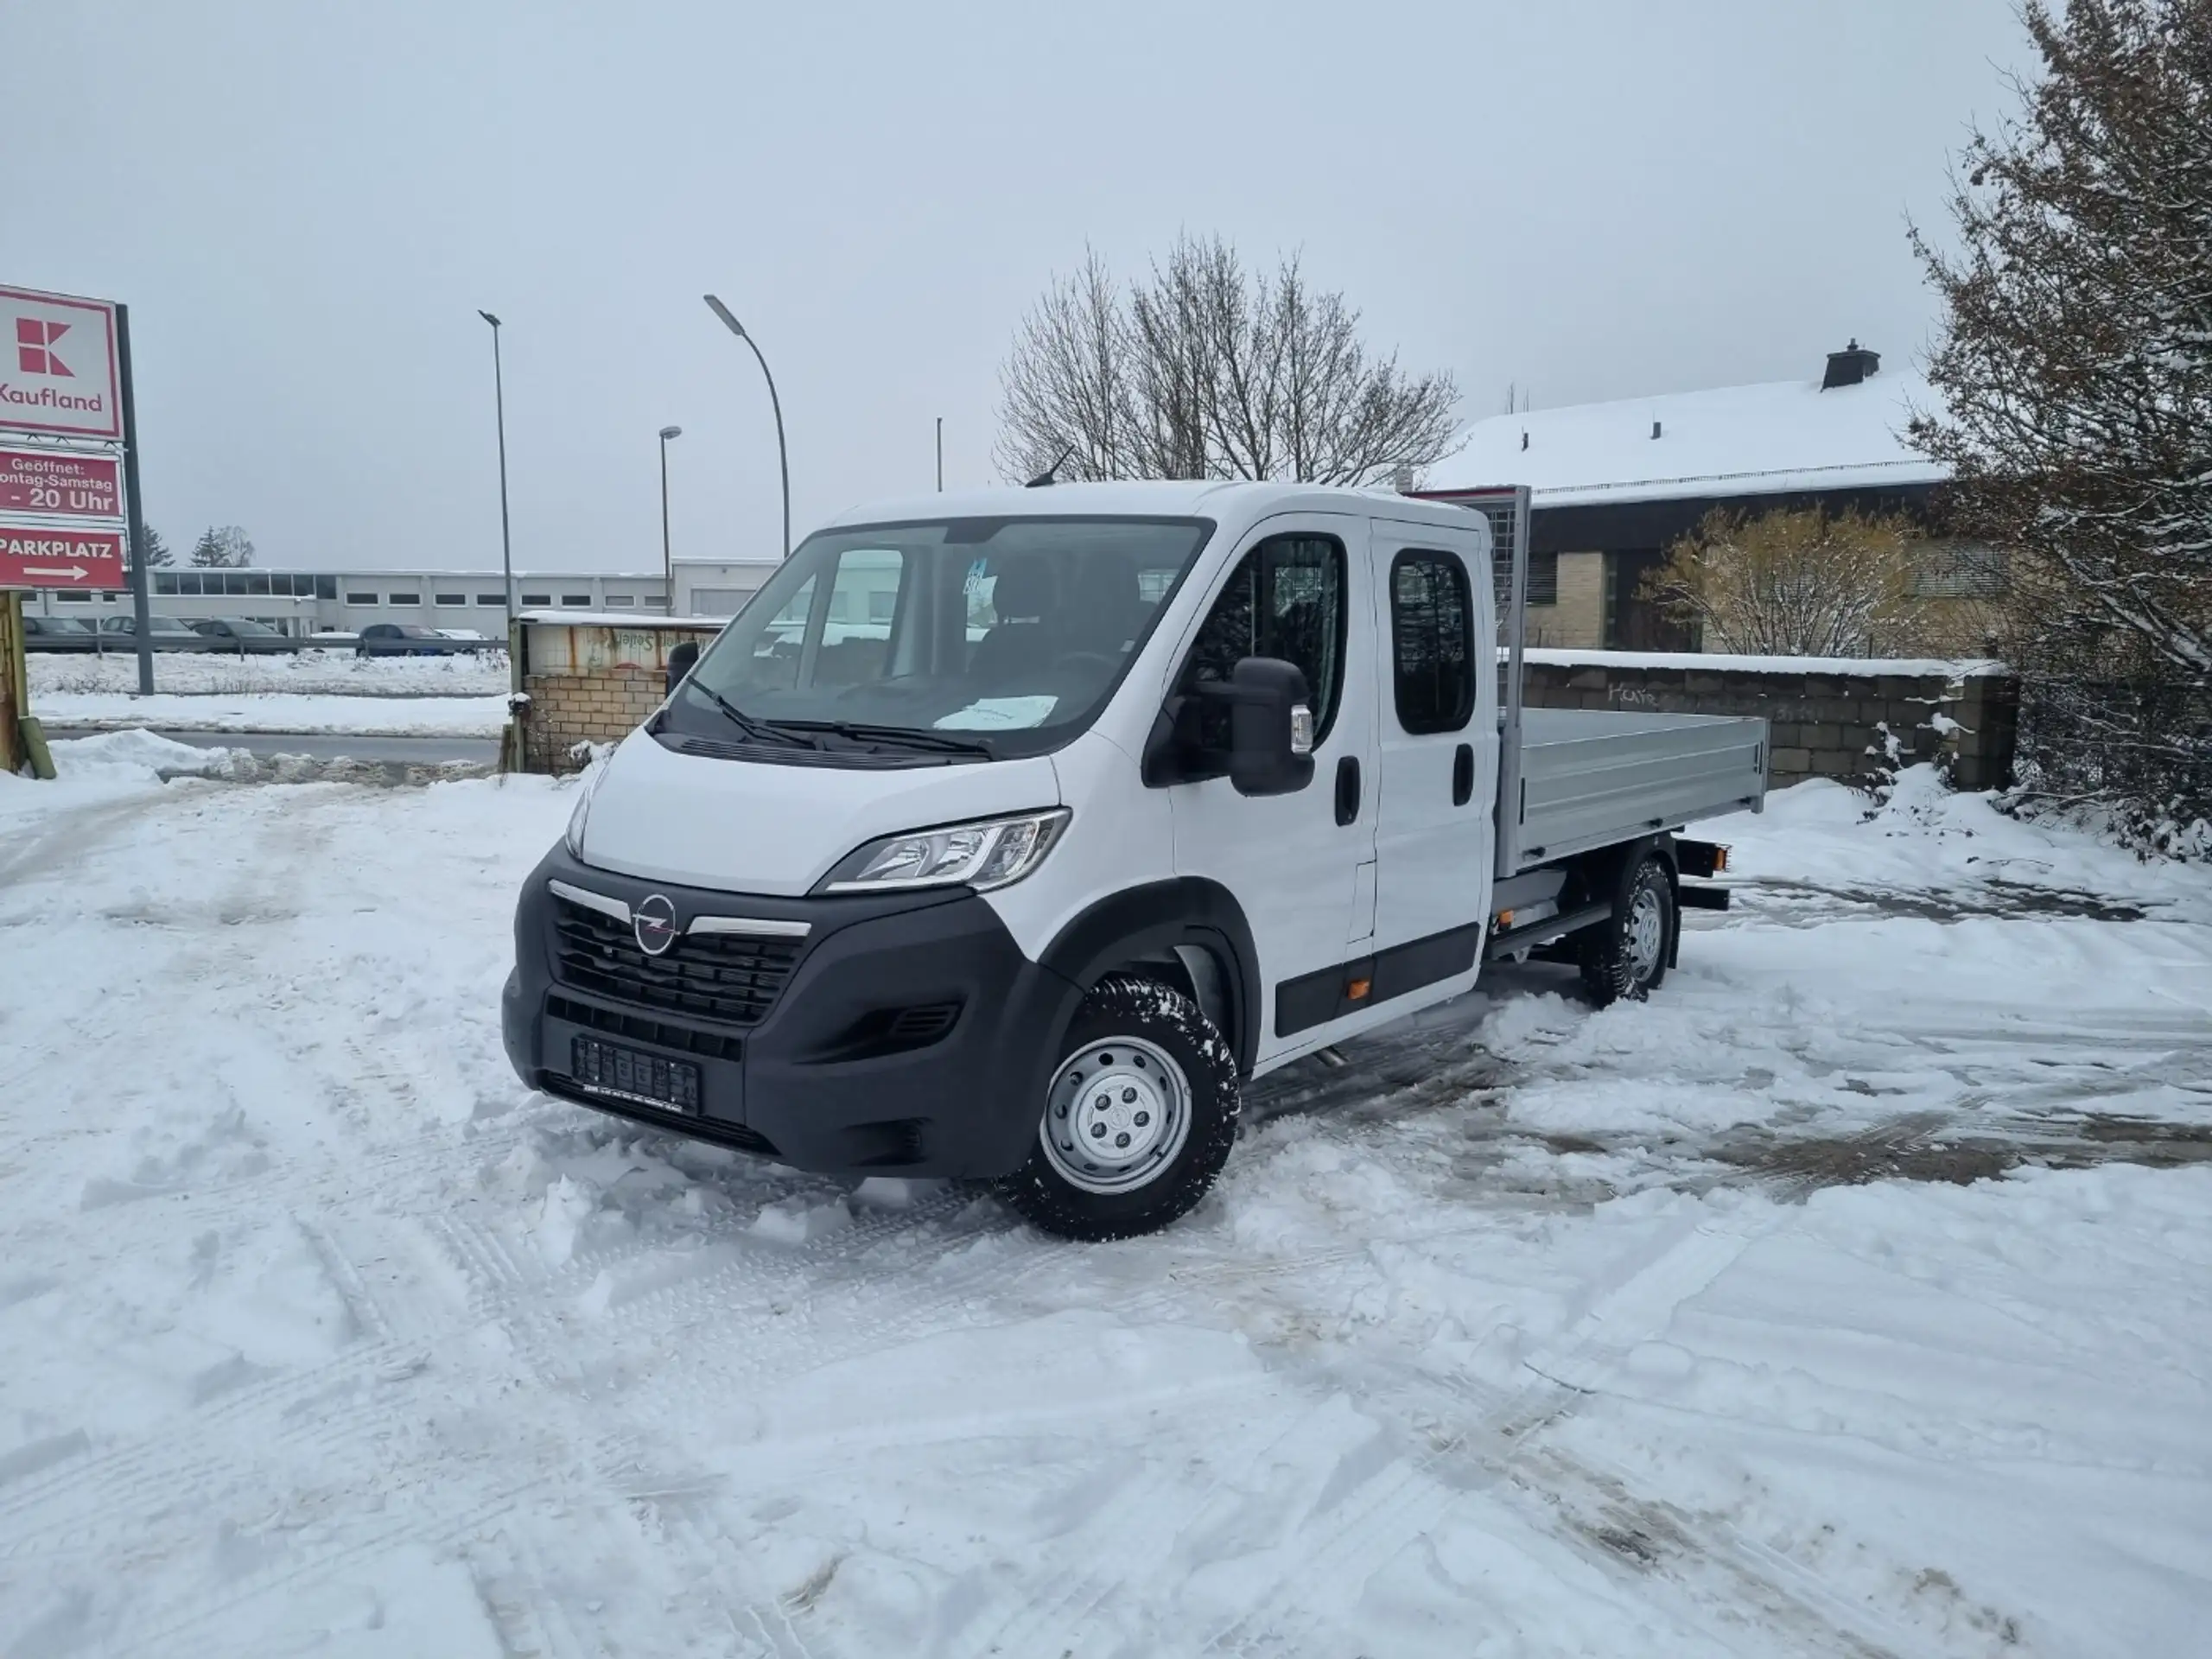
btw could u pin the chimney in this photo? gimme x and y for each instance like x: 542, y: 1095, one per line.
x: 1655, y: 428
x: 1849, y: 366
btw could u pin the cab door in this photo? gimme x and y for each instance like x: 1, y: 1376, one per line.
x: 1300, y: 866
x: 1437, y: 762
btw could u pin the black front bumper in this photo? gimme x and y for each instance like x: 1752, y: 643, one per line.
x: 854, y: 1068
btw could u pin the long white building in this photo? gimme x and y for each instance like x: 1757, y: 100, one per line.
x: 302, y: 602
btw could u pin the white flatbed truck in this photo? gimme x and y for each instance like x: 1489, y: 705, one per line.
x: 1005, y: 835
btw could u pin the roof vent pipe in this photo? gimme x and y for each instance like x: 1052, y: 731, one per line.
x: 1655, y: 429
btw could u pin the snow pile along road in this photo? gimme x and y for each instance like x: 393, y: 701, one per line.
x: 276, y: 711
x: 309, y: 673
x: 1853, y: 1296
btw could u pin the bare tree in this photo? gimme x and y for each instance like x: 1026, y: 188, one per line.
x: 1208, y: 370
x: 1064, y: 396
x: 2076, y: 372
x: 1792, y: 584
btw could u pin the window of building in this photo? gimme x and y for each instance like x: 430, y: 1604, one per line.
x: 1286, y: 600
x: 165, y: 581
x: 326, y: 587
x: 1432, y: 642
x: 577, y: 601
x: 450, y: 599
x: 1543, y: 578
x: 492, y: 601
x: 718, y: 601
x: 360, y: 599
x: 1959, y: 570
x: 414, y: 597
x: 883, y: 603
x: 620, y: 602
x: 537, y: 601
x: 74, y: 599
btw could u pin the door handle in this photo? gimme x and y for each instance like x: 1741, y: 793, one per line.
x: 1348, y: 789
x: 1463, y: 774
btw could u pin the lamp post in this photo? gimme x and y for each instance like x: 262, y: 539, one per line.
x: 506, y: 537
x: 667, y: 557
x: 783, y: 457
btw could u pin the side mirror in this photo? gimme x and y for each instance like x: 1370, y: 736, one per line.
x: 679, y: 663
x: 1271, y: 728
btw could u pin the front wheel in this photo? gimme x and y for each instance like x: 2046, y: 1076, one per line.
x: 1137, y: 1120
x: 1626, y: 956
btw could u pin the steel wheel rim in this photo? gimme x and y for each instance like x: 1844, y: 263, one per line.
x: 1645, y: 935
x: 1092, y: 1135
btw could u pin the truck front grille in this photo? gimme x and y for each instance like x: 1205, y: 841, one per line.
x: 731, y: 977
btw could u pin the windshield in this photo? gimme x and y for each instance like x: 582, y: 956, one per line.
x: 1006, y: 635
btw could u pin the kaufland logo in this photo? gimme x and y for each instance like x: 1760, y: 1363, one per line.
x: 34, y: 352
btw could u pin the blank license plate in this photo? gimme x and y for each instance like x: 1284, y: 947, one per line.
x: 672, y: 1085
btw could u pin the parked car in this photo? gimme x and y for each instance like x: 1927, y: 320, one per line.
x: 244, y: 636
x: 406, y: 640
x: 121, y: 633
x: 58, y: 633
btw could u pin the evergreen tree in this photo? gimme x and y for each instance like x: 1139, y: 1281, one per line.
x: 157, y: 551
x: 2075, y: 367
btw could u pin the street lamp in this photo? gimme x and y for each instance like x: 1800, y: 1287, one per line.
x: 506, y: 537
x: 667, y: 558
x: 783, y: 457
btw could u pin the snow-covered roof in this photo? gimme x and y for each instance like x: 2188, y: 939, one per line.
x: 621, y: 619
x: 1789, y: 436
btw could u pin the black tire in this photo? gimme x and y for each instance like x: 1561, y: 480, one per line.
x: 1616, y: 957
x: 1163, y: 1019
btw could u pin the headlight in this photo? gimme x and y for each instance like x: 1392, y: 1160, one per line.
x: 987, y: 854
x: 581, y: 814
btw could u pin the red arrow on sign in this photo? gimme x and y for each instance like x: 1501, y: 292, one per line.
x: 33, y: 556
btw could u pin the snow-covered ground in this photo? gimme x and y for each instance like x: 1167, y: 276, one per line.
x: 312, y: 673
x: 316, y: 691
x: 1852, y: 1296
x: 276, y: 711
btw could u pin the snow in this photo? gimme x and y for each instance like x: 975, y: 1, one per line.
x: 1733, y: 440
x: 1723, y: 662
x: 322, y: 673
x: 1852, y: 1296
x: 625, y: 620
x: 278, y: 712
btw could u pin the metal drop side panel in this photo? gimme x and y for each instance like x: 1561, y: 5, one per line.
x: 1594, y: 778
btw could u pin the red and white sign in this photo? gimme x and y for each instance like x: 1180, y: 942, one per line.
x: 41, y: 555
x: 57, y: 365
x: 58, y: 483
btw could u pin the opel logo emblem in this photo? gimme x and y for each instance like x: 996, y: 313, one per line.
x: 654, y: 922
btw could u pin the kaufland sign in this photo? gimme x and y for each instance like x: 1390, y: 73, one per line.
x: 57, y: 365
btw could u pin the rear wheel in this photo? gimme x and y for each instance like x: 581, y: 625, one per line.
x: 1138, y: 1118
x: 1626, y: 956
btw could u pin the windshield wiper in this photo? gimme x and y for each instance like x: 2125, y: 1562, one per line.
x: 758, y: 730
x: 860, y: 732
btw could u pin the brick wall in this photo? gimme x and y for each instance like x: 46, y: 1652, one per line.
x: 1828, y: 717
x: 567, y: 710
x: 591, y: 681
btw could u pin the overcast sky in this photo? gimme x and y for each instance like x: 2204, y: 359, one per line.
x: 305, y: 206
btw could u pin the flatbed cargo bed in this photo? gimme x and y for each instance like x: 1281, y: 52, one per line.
x: 1598, y: 777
